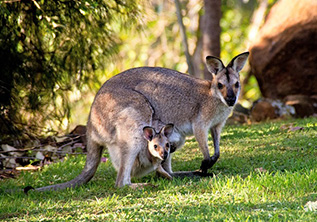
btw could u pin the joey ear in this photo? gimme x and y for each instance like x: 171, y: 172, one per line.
x: 239, y: 61
x: 148, y: 133
x: 167, y: 130
x: 214, y: 64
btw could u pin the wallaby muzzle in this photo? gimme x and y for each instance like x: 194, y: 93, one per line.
x: 231, y: 98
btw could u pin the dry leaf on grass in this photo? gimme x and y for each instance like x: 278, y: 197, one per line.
x: 28, y: 167
x: 291, y: 127
x: 260, y: 170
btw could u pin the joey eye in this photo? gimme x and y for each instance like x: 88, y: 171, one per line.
x: 237, y: 85
x: 155, y: 146
x: 220, y: 86
x: 167, y: 145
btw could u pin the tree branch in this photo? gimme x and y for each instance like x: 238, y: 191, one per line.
x: 184, y: 37
x: 11, y: 1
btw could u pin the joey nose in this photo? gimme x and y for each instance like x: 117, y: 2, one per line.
x: 231, y: 100
x: 165, y: 155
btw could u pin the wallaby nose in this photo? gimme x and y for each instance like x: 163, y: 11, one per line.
x: 231, y: 100
x: 231, y: 97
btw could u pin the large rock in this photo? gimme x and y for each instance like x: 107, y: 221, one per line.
x: 284, y: 55
x: 304, y: 105
x: 266, y: 109
x: 263, y: 110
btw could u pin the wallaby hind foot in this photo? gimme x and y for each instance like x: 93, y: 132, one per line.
x: 191, y: 174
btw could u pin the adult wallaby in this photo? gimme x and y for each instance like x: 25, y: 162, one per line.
x: 131, y: 100
x: 195, y: 106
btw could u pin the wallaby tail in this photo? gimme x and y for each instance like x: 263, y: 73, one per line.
x: 93, y: 159
x: 81, y: 179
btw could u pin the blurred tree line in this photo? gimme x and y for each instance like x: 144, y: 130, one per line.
x: 55, y: 54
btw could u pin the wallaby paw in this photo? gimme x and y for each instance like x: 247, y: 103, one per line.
x: 205, y: 166
x: 164, y: 175
x: 184, y: 174
x: 27, y: 188
x: 212, y: 162
x: 202, y: 174
x: 172, y: 148
x: 167, y: 176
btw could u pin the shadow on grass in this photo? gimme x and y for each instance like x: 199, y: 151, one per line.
x: 280, y: 152
x: 236, y: 211
x: 191, y: 210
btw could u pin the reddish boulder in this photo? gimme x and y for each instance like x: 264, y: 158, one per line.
x: 263, y: 110
x: 283, y: 57
x: 304, y: 105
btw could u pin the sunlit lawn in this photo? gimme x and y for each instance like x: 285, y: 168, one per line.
x: 266, y: 172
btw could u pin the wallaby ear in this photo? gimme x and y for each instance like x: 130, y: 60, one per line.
x: 148, y: 133
x: 214, y: 64
x: 239, y: 61
x: 167, y: 130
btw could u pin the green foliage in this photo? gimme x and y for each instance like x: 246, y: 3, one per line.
x: 55, y: 54
x: 235, y: 24
x: 49, y: 48
x: 160, y: 43
x: 266, y: 172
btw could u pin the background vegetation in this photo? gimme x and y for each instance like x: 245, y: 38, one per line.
x: 266, y: 172
x: 56, y: 54
x: 50, y: 50
x: 54, y: 57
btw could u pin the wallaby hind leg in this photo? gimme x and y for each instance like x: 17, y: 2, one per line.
x: 191, y: 174
x: 210, y: 161
x: 201, y: 135
x: 215, y: 132
x: 125, y: 165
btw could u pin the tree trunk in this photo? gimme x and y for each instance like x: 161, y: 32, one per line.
x: 198, y: 62
x: 211, y: 31
x: 184, y: 37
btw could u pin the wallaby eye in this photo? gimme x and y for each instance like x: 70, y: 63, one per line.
x: 237, y: 85
x: 155, y: 146
x: 220, y: 86
x: 167, y: 145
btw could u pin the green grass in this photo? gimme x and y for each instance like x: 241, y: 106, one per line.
x: 237, y: 192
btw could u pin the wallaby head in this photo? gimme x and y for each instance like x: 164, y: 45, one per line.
x: 158, y: 143
x: 226, y: 81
